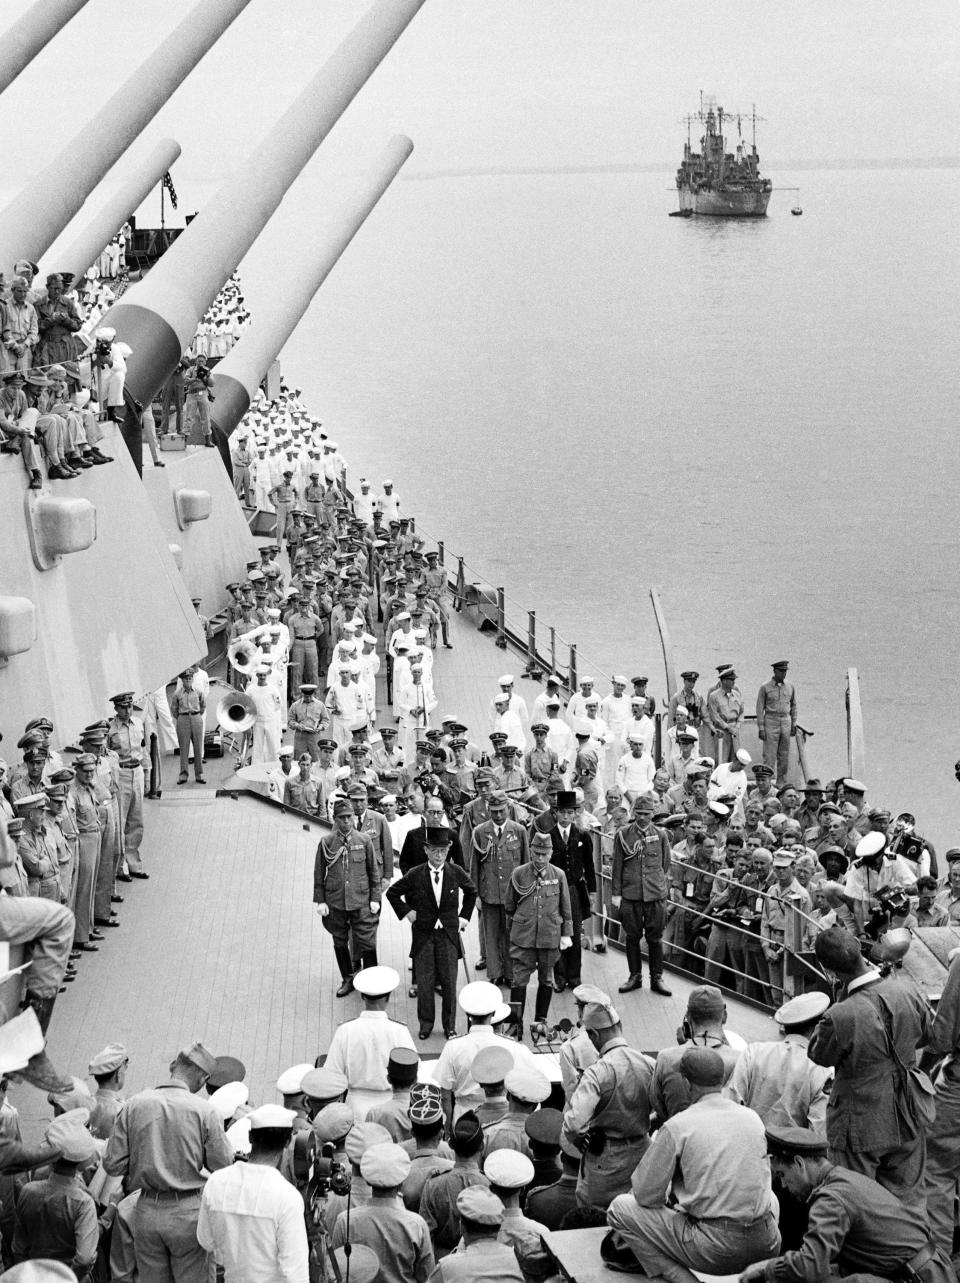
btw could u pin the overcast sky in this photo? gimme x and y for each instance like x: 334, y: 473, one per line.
x: 481, y: 83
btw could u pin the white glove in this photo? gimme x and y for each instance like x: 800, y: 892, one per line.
x: 566, y: 942
x: 462, y: 925
x: 323, y: 910
x: 616, y: 901
x: 412, y: 916
x: 374, y: 906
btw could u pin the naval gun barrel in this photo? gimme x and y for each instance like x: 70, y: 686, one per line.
x: 31, y: 33
x: 35, y: 218
x: 237, y: 377
x: 158, y: 317
x: 139, y: 183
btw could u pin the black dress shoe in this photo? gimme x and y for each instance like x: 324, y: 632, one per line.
x: 68, y: 976
x: 89, y: 947
x: 424, y: 1033
x: 75, y: 953
x: 481, y: 965
x: 346, y: 987
x: 634, y: 981
x: 412, y: 991
x: 116, y: 899
x: 201, y: 779
x: 107, y: 922
x: 95, y: 934
x: 124, y: 877
x: 449, y: 1033
x: 140, y: 875
x: 657, y: 986
x: 181, y: 779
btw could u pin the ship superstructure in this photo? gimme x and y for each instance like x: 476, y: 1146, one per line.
x: 718, y: 183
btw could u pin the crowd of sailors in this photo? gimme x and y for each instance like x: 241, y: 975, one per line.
x: 63, y: 375
x: 828, y: 1151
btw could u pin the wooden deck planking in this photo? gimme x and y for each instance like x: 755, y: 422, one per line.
x: 224, y: 943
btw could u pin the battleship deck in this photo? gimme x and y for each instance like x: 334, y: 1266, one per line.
x: 224, y: 944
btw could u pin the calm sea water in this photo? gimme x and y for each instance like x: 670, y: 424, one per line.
x: 584, y: 398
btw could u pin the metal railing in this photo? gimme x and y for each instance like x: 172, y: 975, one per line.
x: 800, y: 969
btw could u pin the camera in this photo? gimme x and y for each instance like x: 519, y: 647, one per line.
x: 316, y: 1171
x: 103, y: 352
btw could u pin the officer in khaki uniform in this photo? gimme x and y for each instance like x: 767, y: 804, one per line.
x: 125, y: 735
x: 498, y: 847
x: 346, y: 890
x: 541, y: 925
x: 640, y: 878
x: 37, y: 849
x: 608, y: 1119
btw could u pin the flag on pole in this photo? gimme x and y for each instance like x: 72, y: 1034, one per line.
x: 168, y: 184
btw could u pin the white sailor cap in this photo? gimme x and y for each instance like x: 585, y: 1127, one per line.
x: 508, y: 1168
x: 506, y: 680
x: 870, y: 844
x: 376, y: 982
x: 286, y: 750
x: 529, y: 1085
x: 480, y: 998
x: 238, y: 1135
x: 271, y: 1116
x: 802, y: 1009
x: 744, y: 757
x: 288, y: 1084
x: 226, y: 1100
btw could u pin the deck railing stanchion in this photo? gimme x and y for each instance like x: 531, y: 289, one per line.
x: 572, y: 682
x: 501, y: 619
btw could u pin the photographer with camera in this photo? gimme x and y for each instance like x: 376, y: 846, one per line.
x: 874, y: 867
x: 251, y: 1219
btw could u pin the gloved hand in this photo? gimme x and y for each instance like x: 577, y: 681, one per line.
x: 462, y: 925
x: 412, y: 916
x: 374, y: 906
x: 323, y: 910
x: 566, y: 942
x: 616, y: 901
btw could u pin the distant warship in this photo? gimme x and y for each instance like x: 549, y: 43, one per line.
x: 716, y: 183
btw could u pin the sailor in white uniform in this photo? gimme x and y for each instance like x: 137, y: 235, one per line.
x: 360, y: 1049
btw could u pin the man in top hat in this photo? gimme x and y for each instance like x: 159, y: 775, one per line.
x: 683, y: 1212
x: 125, y: 735
x: 640, y: 882
x: 438, y: 899
x: 360, y: 1049
x: 608, y: 1115
x: 251, y: 1219
x: 346, y: 890
x: 163, y: 1142
x: 572, y: 851
x: 56, y: 1218
x: 877, y: 1115
x: 777, y: 719
x: 845, y: 1211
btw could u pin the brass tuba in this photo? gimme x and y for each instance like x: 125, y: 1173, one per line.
x: 244, y: 655
x: 236, y: 712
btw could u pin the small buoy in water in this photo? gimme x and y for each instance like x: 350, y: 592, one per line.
x: 796, y: 210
